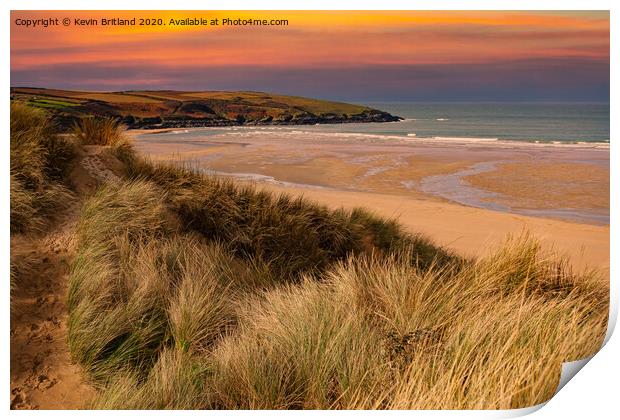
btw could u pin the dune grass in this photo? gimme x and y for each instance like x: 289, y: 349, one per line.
x: 368, y: 333
x: 91, y: 130
x: 176, y: 381
x: 139, y: 284
x: 39, y: 164
x: 376, y: 334
x: 288, y: 235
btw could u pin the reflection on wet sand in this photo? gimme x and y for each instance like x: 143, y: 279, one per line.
x: 568, y: 182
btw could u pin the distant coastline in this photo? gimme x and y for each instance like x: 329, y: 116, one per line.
x: 179, y: 109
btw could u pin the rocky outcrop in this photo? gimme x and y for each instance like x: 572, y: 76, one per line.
x: 372, y: 115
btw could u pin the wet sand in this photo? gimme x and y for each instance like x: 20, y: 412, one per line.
x: 466, y: 196
x: 568, y: 187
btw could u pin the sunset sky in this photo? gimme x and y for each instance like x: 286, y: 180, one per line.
x: 356, y: 56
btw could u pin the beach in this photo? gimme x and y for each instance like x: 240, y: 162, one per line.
x: 465, y: 194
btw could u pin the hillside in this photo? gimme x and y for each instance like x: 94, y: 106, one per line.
x: 170, y: 109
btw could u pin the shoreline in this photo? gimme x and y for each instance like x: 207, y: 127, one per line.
x: 437, y: 141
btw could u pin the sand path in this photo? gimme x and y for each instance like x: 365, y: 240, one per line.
x: 42, y: 373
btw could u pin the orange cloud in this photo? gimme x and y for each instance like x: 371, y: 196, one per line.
x: 312, y: 39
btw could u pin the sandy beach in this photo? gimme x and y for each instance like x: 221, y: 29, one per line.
x: 465, y: 196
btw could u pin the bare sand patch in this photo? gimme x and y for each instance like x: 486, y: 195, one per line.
x: 43, y: 375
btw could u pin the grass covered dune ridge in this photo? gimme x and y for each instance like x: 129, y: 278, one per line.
x: 192, y: 292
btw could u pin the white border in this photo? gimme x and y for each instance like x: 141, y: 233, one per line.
x: 593, y: 394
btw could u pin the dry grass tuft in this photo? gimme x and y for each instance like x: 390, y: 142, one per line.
x: 177, y: 381
x: 39, y: 163
x: 387, y: 335
x: 297, y: 348
x: 139, y: 286
x: 91, y: 130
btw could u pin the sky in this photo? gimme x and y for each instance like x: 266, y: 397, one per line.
x: 354, y: 56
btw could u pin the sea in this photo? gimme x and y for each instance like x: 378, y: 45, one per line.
x: 530, y: 122
x: 559, y: 123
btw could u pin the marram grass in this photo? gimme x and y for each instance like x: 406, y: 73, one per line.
x: 39, y: 164
x: 189, y: 321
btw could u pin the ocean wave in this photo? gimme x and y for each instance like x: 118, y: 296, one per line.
x: 401, y: 137
x: 560, y: 143
x: 468, y: 139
